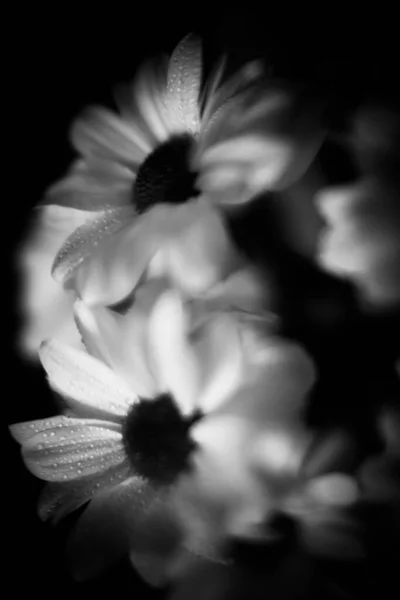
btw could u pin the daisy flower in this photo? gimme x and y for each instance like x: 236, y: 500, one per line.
x: 171, y: 142
x: 361, y: 240
x: 137, y: 408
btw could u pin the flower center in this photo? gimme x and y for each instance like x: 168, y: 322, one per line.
x: 156, y: 439
x: 165, y: 175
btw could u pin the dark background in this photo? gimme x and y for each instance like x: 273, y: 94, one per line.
x: 59, y: 61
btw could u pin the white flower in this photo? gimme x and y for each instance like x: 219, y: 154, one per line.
x: 238, y: 140
x: 148, y: 431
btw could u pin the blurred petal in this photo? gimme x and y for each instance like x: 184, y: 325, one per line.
x: 220, y: 356
x: 102, y: 134
x: 112, y: 271
x: 120, y: 342
x: 183, y: 86
x: 94, y: 185
x: 159, y: 553
x: 279, y: 377
x: 223, y: 479
x: 83, y: 240
x: 85, y: 380
x: 174, y: 360
x: 362, y: 238
x: 45, y: 304
x: 108, y: 528
x: 200, y: 254
x: 59, y: 499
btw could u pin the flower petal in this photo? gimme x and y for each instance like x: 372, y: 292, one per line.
x: 102, y: 134
x: 60, y: 499
x: 223, y: 478
x: 96, y: 184
x: 183, y: 86
x: 114, y: 269
x: 81, y: 243
x: 66, y: 448
x: 279, y: 376
x: 220, y: 356
x: 45, y: 304
x: 174, y: 360
x: 200, y: 253
x: 85, y: 380
x: 108, y: 527
x: 120, y: 342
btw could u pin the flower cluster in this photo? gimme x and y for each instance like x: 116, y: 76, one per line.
x: 216, y: 319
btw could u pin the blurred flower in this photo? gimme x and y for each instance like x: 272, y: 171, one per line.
x: 361, y: 241
x: 169, y: 143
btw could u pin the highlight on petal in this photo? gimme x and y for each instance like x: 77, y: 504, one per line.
x: 65, y: 448
x: 108, y: 528
x: 100, y: 133
x: 81, y: 243
x: 175, y: 364
x: 60, y: 499
x: 183, y: 85
x: 85, y: 380
x: 45, y: 305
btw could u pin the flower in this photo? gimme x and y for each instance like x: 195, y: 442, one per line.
x: 361, y: 241
x: 146, y: 430
x: 237, y: 140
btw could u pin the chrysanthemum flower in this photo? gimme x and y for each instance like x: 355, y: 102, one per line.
x: 170, y: 142
x: 147, y: 428
x: 361, y: 241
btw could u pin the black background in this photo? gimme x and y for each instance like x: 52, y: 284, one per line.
x: 57, y: 62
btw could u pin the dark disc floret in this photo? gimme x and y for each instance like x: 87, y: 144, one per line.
x: 165, y: 175
x: 156, y: 439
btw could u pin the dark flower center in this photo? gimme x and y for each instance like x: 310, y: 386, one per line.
x: 156, y: 439
x: 165, y: 175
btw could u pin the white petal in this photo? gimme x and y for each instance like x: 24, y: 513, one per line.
x: 149, y: 92
x: 174, y: 360
x: 45, y: 304
x: 60, y: 499
x: 200, y: 253
x: 111, y: 272
x: 223, y: 472
x: 183, y: 87
x: 85, y: 380
x: 120, y: 342
x: 82, y: 241
x: 279, y: 376
x: 221, y: 359
x: 101, y: 133
x: 67, y: 448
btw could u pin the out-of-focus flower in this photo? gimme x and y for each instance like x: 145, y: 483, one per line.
x: 361, y: 240
x: 169, y: 143
x: 149, y: 437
